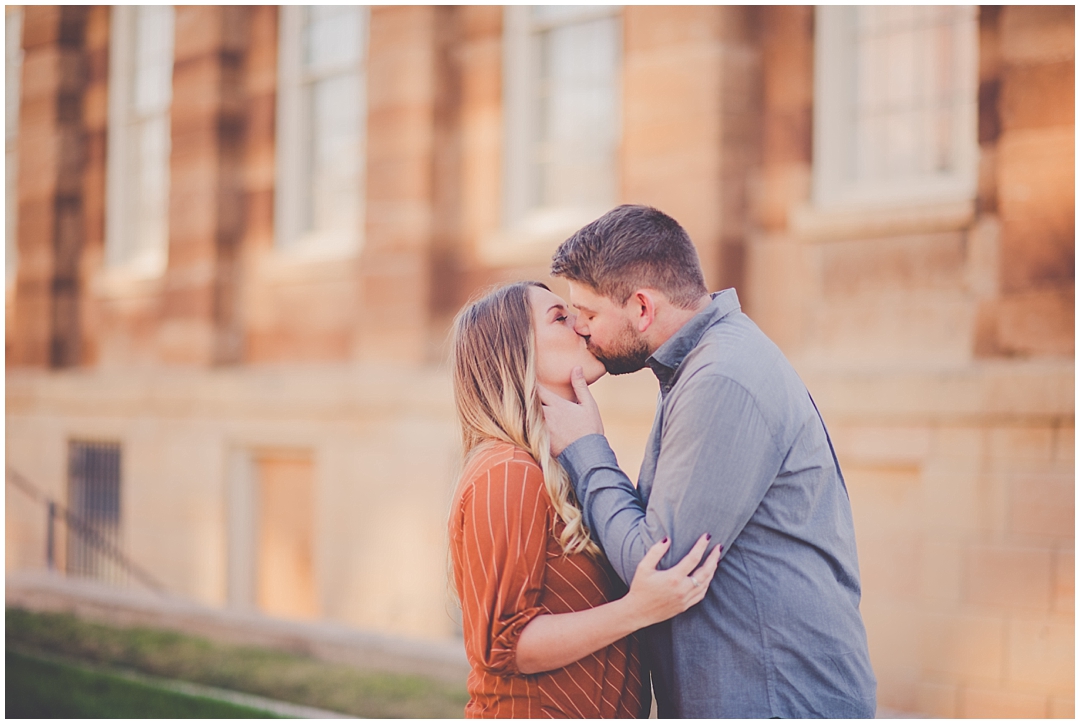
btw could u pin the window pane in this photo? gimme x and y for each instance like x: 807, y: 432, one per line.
x: 151, y: 185
x: 332, y: 37
x: 152, y: 77
x: 560, y: 13
x: 12, y: 72
x: 335, y: 151
x: 577, y: 97
x: 140, y: 88
x: 909, y: 86
x: 321, y: 127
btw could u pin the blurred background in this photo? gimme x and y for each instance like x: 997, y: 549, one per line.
x: 236, y: 238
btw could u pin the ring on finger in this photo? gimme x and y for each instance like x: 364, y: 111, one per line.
x: 695, y: 581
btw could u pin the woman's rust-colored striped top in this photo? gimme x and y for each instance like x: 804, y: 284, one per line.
x: 509, y: 568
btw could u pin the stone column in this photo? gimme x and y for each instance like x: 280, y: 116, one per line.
x: 393, y: 319
x: 50, y: 177
x: 95, y: 130
x: 690, y: 96
x: 1027, y: 138
x: 777, y: 261
x: 200, y: 317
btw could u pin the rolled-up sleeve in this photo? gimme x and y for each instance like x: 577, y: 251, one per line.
x: 504, y: 529
x: 717, y: 459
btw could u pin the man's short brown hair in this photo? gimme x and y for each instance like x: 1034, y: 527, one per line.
x: 633, y: 247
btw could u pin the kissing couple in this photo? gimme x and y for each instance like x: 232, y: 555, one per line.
x: 727, y: 575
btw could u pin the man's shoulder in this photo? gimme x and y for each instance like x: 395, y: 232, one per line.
x: 733, y: 346
x: 735, y: 355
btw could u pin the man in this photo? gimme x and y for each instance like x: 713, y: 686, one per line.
x: 738, y: 450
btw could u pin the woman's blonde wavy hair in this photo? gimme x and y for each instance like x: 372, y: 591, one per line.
x: 493, y: 358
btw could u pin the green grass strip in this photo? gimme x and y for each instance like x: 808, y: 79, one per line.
x: 40, y: 689
x: 264, y: 672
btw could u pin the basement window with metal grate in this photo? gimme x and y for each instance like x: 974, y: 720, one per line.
x: 94, y: 499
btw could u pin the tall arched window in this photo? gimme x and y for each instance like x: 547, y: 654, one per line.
x: 140, y: 98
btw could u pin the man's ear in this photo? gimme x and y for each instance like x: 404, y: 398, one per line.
x: 643, y: 307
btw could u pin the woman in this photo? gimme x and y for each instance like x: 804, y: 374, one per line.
x: 548, y: 625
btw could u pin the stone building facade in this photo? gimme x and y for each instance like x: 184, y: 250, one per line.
x: 284, y: 421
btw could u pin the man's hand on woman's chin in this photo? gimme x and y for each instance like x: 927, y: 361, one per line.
x: 570, y: 421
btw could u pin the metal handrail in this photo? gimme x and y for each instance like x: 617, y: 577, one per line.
x: 81, y: 528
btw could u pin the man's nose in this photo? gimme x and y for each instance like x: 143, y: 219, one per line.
x: 580, y: 327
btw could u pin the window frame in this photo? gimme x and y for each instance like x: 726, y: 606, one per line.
x: 13, y: 60
x: 292, y: 139
x: 520, y: 220
x: 834, y: 131
x: 121, y: 256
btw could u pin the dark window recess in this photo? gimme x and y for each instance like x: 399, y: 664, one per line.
x: 94, y: 501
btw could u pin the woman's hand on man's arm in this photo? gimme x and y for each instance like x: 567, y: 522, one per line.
x: 553, y: 641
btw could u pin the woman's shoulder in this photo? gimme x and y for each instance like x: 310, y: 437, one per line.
x: 496, y: 464
x: 497, y: 454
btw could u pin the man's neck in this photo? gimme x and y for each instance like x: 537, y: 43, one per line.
x: 672, y: 319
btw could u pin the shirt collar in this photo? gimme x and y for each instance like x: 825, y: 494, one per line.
x: 668, y: 356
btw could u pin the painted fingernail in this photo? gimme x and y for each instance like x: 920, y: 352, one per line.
x: 708, y: 536
x: 665, y: 540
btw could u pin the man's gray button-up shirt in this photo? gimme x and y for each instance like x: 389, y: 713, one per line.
x: 739, y: 450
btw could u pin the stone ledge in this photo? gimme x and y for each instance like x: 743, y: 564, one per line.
x: 42, y: 591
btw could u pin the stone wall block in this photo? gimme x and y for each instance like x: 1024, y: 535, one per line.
x: 890, y: 564
x: 885, y: 500
x: 1064, y: 580
x: 1035, y: 193
x: 957, y: 448
x: 680, y: 125
x: 399, y: 223
x: 1062, y: 707
x: 652, y: 28
x: 43, y: 26
x: 1037, y: 34
x: 775, y: 189
x: 196, y: 93
x: 1065, y: 442
x: 1036, y: 96
x: 1037, y: 323
x: 1010, y: 448
x: 199, y: 32
x: 950, y: 501
x: 960, y: 646
x: 894, y: 651
x: 1041, y: 654
x: 1009, y: 579
x: 788, y: 48
x: 997, y: 703
x: 881, y: 445
x: 894, y: 264
x: 941, y: 575
x: 937, y: 700
x: 1043, y: 506
x: 788, y: 137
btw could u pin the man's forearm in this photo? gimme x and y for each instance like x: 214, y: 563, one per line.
x: 613, y: 511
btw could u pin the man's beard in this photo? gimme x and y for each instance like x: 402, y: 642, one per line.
x: 627, y: 354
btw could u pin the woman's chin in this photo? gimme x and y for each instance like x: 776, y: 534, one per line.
x: 592, y: 375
